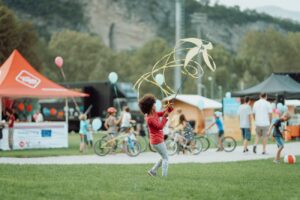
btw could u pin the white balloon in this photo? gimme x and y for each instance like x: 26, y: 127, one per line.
x: 160, y: 79
x: 158, y: 105
x: 201, y: 104
x: 113, y: 77
x: 228, y: 95
x: 96, y: 124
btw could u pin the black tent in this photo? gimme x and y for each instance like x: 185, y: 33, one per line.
x: 276, y: 85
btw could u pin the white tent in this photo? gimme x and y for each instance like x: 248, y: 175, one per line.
x: 196, y: 100
x: 292, y: 102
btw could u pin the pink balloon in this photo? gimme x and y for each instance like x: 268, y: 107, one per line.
x: 59, y: 61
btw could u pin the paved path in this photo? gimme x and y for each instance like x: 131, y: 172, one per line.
x: 209, y: 156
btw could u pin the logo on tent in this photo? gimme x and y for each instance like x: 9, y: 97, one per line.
x: 26, y: 78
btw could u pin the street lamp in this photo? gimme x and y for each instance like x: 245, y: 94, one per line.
x: 211, y: 87
x: 220, y: 91
x: 197, y: 20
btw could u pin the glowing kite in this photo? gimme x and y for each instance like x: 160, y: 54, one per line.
x: 189, y: 65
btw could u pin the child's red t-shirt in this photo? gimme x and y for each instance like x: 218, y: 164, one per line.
x: 155, y: 126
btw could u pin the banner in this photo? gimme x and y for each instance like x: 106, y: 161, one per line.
x: 37, y: 136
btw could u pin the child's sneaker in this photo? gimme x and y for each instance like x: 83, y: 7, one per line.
x: 254, y: 149
x: 151, y: 173
x: 276, y: 161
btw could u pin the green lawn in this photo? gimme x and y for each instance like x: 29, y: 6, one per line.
x: 238, y: 180
x: 73, y: 149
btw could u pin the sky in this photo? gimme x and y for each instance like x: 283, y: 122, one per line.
x: 293, y: 5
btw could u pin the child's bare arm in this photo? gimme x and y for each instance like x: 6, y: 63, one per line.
x: 270, y: 128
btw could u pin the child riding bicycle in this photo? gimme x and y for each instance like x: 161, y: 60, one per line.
x: 220, y: 126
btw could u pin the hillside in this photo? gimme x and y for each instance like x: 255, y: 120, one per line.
x: 128, y: 24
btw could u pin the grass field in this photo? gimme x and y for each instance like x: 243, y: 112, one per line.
x: 73, y: 149
x: 238, y: 180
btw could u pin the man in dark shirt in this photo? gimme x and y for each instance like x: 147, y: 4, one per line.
x: 278, y: 135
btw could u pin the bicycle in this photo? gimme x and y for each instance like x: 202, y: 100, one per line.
x: 229, y: 143
x: 186, y: 141
x: 123, y: 141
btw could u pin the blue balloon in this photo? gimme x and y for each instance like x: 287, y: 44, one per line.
x: 46, y: 112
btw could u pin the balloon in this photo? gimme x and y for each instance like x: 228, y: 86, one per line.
x: 280, y: 107
x: 113, y: 77
x: 96, y: 124
x: 273, y: 105
x: 59, y: 61
x: 228, y: 95
x: 46, y: 112
x: 285, y: 108
x: 158, y: 105
x: 60, y: 114
x: 201, y: 104
x: 21, y: 106
x: 29, y: 108
x: 53, y: 111
x: 160, y: 79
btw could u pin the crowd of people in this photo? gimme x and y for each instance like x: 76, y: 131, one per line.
x: 262, y: 116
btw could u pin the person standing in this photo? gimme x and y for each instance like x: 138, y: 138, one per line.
x: 83, y: 131
x: 11, y: 121
x: 262, y: 114
x: 126, y: 120
x: 244, y: 113
x: 155, y: 126
x: 277, y: 134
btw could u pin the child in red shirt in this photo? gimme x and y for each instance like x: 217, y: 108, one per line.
x: 155, y: 126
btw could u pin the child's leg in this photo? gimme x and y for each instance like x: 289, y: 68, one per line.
x: 81, y: 143
x: 278, y: 153
x: 162, y: 150
x: 280, y: 144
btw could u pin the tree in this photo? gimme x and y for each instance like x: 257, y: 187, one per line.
x: 269, y: 51
x: 15, y: 34
x: 85, y: 56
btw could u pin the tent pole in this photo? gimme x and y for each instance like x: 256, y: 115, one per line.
x: 0, y: 108
x: 67, y: 113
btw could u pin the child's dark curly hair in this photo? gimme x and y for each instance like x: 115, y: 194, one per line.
x: 146, y: 103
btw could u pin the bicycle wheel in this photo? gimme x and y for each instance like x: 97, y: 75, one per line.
x: 143, y: 142
x: 102, y: 146
x: 205, y: 142
x: 195, y: 146
x: 171, y: 147
x: 229, y: 143
x: 133, y: 149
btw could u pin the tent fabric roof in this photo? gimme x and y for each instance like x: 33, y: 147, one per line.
x: 197, y: 101
x: 19, y: 79
x: 274, y: 85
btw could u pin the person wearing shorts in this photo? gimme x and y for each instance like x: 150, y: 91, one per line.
x: 278, y: 135
x: 262, y: 114
x: 244, y: 113
x: 218, y: 122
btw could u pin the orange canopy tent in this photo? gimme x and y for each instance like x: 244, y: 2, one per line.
x: 19, y: 79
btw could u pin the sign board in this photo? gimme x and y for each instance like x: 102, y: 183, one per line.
x: 37, y: 136
x: 230, y: 106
